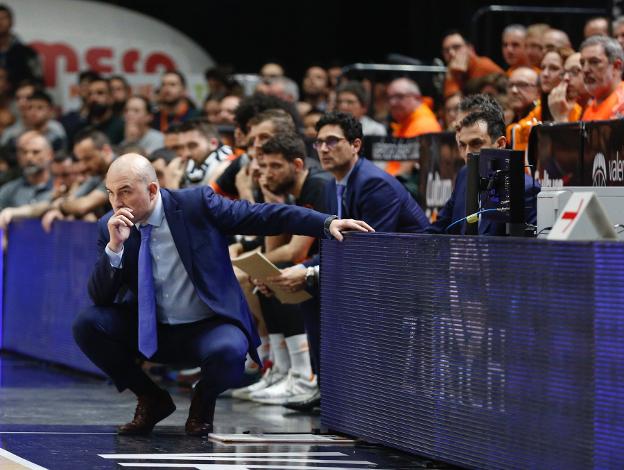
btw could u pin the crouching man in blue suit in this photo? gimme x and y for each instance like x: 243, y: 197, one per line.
x: 169, y: 249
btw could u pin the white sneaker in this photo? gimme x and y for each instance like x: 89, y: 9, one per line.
x: 270, y: 377
x: 293, y: 389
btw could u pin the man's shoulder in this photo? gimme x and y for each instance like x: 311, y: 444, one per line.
x: 319, y: 177
x: 367, y: 170
x: 12, y: 185
x: 191, y: 195
x: 369, y: 178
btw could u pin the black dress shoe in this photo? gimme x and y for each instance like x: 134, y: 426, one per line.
x: 201, y: 414
x: 197, y: 427
x: 150, y: 410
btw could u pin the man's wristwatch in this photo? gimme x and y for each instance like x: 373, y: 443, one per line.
x: 327, y: 223
x: 311, y: 278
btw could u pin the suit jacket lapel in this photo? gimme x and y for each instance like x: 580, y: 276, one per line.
x: 347, y: 198
x: 179, y: 232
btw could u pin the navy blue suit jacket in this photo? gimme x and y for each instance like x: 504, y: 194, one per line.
x: 455, y: 208
x: 199, y: 221
x: 379, y: 199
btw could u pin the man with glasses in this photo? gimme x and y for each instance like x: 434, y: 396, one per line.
x: 359, y: 187
x: 411, y: 117
x: 602, y: 60
x: 570, y: 91
x: 522, y: 93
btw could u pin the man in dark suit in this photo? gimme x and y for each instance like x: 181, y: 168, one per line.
x: 480, y: 129
x: 164, y: 255
x: 359, y: 188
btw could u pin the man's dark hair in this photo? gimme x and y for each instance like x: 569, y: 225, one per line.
x: 122, y: 79
x: 494, y: 121
x: 216, y: 96
x: 40, y: 95
x: 89, y: 75
x: 254, y: 105
x: 221, y: 73
x: 481, y: 101
x: 99, y: 138
x: 36, y: 84
x: 281, y: 120
x: 5, y: 8
x: 61, y: 155
x: 351, y: 127
x: 450, y: 32
x: 102, y: 79
x: 203, y: 127
x: 173, y: 128
x: 146, y: 102
x: 355, y: 88
x: 287, y: 144
x: 166, y: 154
x: 177, y: 73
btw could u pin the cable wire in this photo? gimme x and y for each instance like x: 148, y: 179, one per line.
x: 472, y: 218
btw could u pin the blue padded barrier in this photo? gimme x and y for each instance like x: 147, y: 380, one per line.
x: 45, y: 287
x: 483, y: 352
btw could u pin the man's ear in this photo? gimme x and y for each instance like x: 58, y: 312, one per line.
x: 299, y: 164
x: 153, y: 189
x: 357, y: 145
x: 618, y: 64
x: 501, y: 142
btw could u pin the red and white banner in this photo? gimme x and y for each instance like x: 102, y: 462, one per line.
x: 72, y: 36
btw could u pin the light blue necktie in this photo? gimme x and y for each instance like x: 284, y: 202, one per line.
x: 148, y: 338
x: 339, y: 192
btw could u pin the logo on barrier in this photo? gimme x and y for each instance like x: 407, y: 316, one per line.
x: 599, y: 172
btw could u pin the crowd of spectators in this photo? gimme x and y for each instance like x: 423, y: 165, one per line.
x: 290, y: 143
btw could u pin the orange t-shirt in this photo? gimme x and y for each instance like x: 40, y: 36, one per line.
x: 421, y: 121
x: 518, y: 132
x: 610, y: 108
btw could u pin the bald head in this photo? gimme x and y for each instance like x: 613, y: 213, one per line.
x: 132, y: 184
x: 403, y: 98
x: 596, y: 27
x: 522, y: 90
x: 135, y: 165
x: 405, y: 85
x: 555, y: 39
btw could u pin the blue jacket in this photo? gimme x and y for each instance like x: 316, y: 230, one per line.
x: 199, y: 221
x: 379, y: 199
x: 455, y: 209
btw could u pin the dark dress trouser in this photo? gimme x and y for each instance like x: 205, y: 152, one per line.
x: 108, y: 336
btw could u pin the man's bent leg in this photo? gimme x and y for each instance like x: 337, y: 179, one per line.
x: 108, y: 337
x: 220, y: 349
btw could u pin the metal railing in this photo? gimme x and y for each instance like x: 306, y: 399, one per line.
x: 520, y: 9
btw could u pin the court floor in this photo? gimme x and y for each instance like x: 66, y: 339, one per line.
x: 52, y: 418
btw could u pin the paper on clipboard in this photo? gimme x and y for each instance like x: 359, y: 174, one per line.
x: 258, y: 266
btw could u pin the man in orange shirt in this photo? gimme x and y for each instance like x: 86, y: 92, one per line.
x: 462, y: 63
x: 533, y: 43
x: 513, y: 47
x: 411, y: 117
x: 602, y: 59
